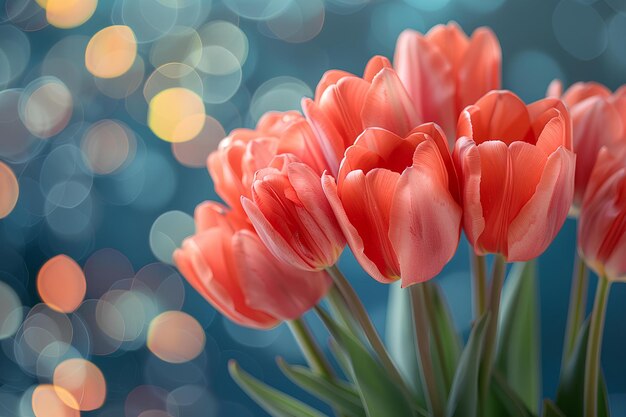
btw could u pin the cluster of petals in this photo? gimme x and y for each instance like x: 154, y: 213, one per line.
x: 230, y: 267
x: 599, y: 119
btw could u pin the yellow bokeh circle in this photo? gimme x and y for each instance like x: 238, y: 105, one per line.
x: 66, y: 14
x: 176, y: 114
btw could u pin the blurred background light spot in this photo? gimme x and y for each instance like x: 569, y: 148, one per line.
x: 175, y: 337
x: 172, y: 75
x: 47, y: 402
x: 17, y: 144
x: 428, y: 5
x: 61, y: 284
x: 278, y: 94
x: 111, y: 52
x: 300, y: 21
x: 228, y: 36
x: 28, y: 15
x: 176, y: 115
x: 66, y: 14
x: 10, y: 311
x: 9, y: 190
x: 257, y: 9
x: 103, y: 268
x: 107, y: 146
x: 15, y: 53
x: 125, y: 84
x: 522, y: 75
x: 483, y: 6
x: 617, y: 37
x: 222, y: 74
x: 194, y: 153
x: 182, y: 44
x: 150, y: 19
x: 579, y: 29
x: 252, y: 337
x: 168, y: 232
x: 165, y: 284
x: 145, y: 398
x: 46, y: 106
x: 64, y: 179
x: 84, y: 381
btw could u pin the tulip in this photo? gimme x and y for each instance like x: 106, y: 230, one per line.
x: 599, y: 119
x: 602, y: 223
x: 233, y: 165
x: 344, y: 105
x: 516, y: 170
x: 290, y: 213
x: 444, y: 71
x: 396, y: 200
x: 229, y: 266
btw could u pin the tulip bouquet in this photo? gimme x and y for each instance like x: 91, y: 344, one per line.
x: 395, y: 163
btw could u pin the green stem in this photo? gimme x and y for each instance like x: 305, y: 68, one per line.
x: 339, y: 308
x: 430, y: 288
x: 312, y: 352
x: 594, y: 347
x: 422, y: 341
x: 357, y: 310
x: 577, y: 304
x: 495, y: 291
x: 479, y: 266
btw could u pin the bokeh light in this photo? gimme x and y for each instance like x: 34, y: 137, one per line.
x: 194, y: 153
x: 176, y: 115
x: 175, y: 337
x: 83, y: 381
x: 47, y: 402
x: 168, y: 232
x: 9, y: 190
x: 111, y: 52
x: 46, y: 107
x: 107, y: 146
x: 61, y: 284
x: 10, y: 311
x: 66, y: 14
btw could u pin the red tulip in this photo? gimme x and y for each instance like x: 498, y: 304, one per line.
x: 245, y: 151
x: 444, y: 71
x: 345, y: 104
x: 516, y: 169
x: 599, y: 119
x: 290, y: 213
x: 602, y: 223
x: 228, y: 265
x: 396, y: 201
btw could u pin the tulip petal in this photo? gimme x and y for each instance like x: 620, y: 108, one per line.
x: 534, y: 228
x: 428, y: 78
x: 479, y: 71
x: 581, y: 91
x: 281, y: 290
x: 468, y: 164
x: 452, y: 43
x: 329, y: 78
x: 350, y: 232
x: 425, y: 221
x: 387, y: 105
x: 500, y: 115
x: 555, y: 89
x: 374, y: 66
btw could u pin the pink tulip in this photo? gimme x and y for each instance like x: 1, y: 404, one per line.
x: 396, y: 200
x: 599, y: 119
x: 516, y: 169
x: 345, y: 105
x: 444, y: 71
x: 602, y: 224
x: 290, y: 213
x: 233, y: 165
x: 229, y: 266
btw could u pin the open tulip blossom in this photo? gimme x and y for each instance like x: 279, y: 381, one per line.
x: 396, y: 164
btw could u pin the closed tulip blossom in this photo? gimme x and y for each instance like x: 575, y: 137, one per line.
x: 290, y: 212
x: 602, y: 223
x: 344, y: 105
x: 233, y: 165
x: 516, y: 169
x: 396, y: 200
x: 445, y: 70
x: 598, y: 118
x: 229, y: 266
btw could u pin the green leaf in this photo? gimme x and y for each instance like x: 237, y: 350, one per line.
x: 551, y: 410
x: 275, y: 402
x: 442, y: 323
x: 505, y: 399
x: 570, y: 393
x: 338, y: 394
x: 463, y: 400
x: 400, y: 339
x: 378, y: 392
x: 518, y: 358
